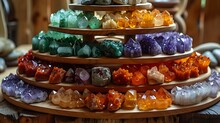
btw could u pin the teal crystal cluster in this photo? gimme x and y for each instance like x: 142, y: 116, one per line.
x: 75, y: 19
x: 112, y: 48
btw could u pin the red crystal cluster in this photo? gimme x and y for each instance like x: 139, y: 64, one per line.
x: 40, y: 70
x: 112, y: 101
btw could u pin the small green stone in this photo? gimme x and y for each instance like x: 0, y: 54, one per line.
x: 35, y: 43
x: 96, y: 52
x: 94, y: 23
x: 83, y: 22
x: 72, y: 21
x: 76, y: 47
x: 84, y: 51
x: 53, y: 48
x: 89, y: 15
x: 43, y: 45
x: 65, y: 51
x: 112, y: 48
x: 55, y: 20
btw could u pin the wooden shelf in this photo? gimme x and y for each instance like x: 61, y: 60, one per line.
x: 48, y: 107
x: 111, y: 32
x: 123, y: 89
x: 164, y: 4
x: 107, y: 60
x: 110, y: 7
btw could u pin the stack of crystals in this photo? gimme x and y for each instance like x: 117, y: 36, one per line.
x: 56, y: 43
x: 67, y: 98
x: 13, y: 86
x: 150, y: 100
x: 166, y: 42
x: 74, y: 19
x: 134, y: 19
x: 190, y: 95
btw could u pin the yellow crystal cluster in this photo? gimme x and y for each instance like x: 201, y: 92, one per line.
x: 137, y: 19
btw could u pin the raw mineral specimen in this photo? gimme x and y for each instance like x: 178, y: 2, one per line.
x: 132, y: 48
x: 44, y: 45
x: 164, y: 99
x: 168, y: 75
x: 96, y: 102
x: 147, y: 101
x: 170, y: 46
x: 83, y: 22
x: 67, y: 98
x: 33, y: 94
x: 53, y: 48
x: 112, y: 48
x: 72, y: 21
x: 130, y: 99
x: 84, y: 51
x: 94, y: 23
x: 115, y: 100
x: 69, y: 76
x: 65, y: 51
x: 101, y: 76
x: 122, y: 77
x: 138, y: 79
x: 150, y: 46
x: 82, y: 76
x: 168, y: 19
x: 35, y: 43
x: 30, y: 67
x: 13, y: 86
x: 154, y: 76
x: 96, y: 52
x: 43, y: 72
x: 57, y: 75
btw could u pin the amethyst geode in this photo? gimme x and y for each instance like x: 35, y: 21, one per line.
x: 13, y: 86
x: 132, y: 48
x: 150, y: 46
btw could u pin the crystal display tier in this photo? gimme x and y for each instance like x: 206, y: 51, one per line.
x: 141, y: 88
x: 105, y: 60
x: 89, y: 34
x: 48, y: 107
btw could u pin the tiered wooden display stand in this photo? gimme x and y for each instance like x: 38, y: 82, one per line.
x: 88, y: 35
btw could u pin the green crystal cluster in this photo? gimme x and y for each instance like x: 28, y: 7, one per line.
x: 56, y: 43
x: 74, y: 19
x: 62, y: 44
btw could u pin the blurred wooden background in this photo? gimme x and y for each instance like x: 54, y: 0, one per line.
x: 33, y: 16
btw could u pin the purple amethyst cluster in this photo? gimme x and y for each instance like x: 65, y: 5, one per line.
x: 13, y: 86
x: 166, y: 42
x: 189, y: 95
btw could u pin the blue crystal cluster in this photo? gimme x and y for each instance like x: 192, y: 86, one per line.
x: 13, y: 86
x: 166, y: 42
x: 74, y: 19
x: 193, y: 94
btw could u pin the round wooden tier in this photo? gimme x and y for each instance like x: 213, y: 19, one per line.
x: 110, y: 32
x: 110, y: 7
x: 105, y: 89
x: 107, y: 60
x: 164, y: 4
x: 48, y: 107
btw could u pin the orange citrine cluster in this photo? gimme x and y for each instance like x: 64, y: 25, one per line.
x: 112, y: 101
x: 138, y: 19
x: 191, y: 66
x: 153, y: 99
x: 151, y: 74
